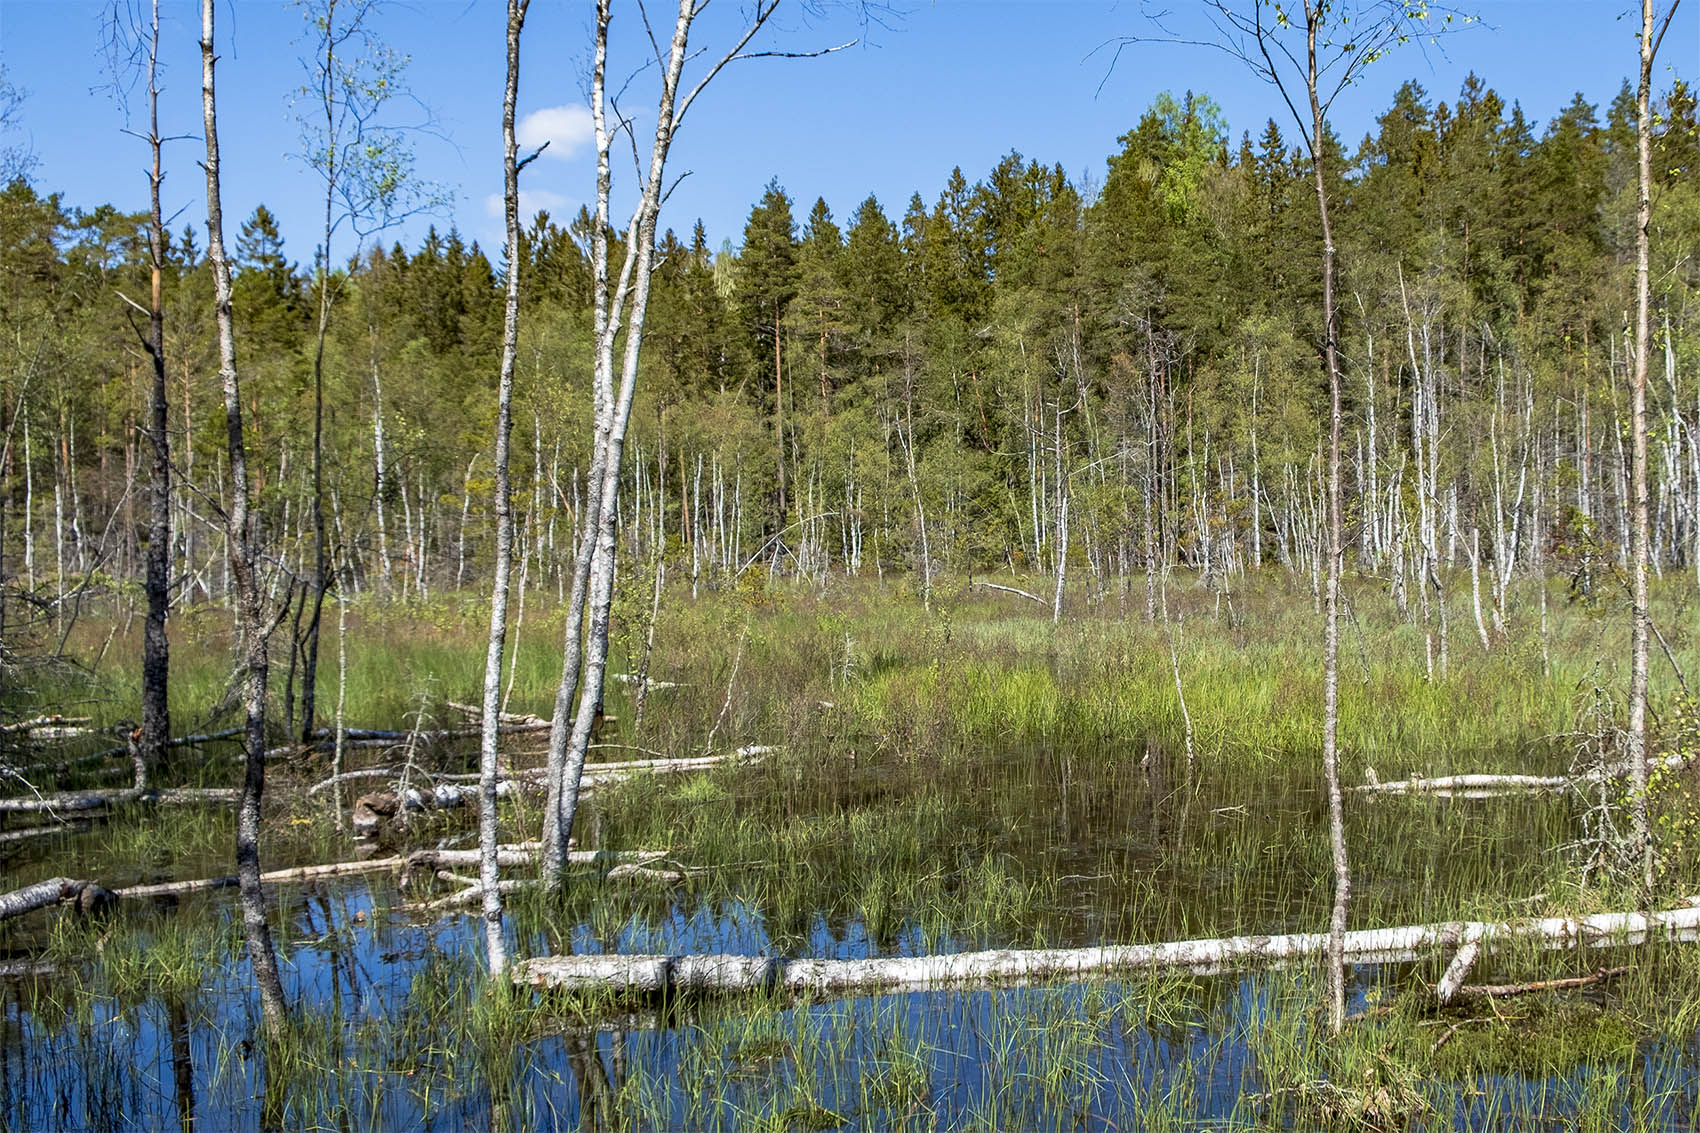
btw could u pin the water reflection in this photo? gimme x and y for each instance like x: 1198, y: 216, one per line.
x: 1103, y: 1057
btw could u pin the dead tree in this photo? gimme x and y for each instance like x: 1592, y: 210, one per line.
x: 1637, y: 730
x: 254, y: 629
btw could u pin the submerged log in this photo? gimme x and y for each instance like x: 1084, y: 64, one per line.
x: 651, y: 974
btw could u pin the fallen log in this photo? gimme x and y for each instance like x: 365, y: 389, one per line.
x: 475, y: 712
x: 38, y: 722
x: 351, y: 776
x: 291, y: 876
x: 636, y: 870
x: 650, y: 685
x: 54, y: 891
x: 1013, y: 590
x: 524, y: 854
x: 1465, y: 786
x: 77, y: 801
x: 1458, y: 970
x: 659, y: 974
x: 30, y: 832
x: 325, y: 738
x: 88, y: 896
x: 108, y: 753
x: 1483, y: 786
x: 372, y: 810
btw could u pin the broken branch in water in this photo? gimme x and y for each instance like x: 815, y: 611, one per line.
x: 1505, y: 991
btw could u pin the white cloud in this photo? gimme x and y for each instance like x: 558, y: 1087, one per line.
x: 567, y: 129
x: 531, y: 202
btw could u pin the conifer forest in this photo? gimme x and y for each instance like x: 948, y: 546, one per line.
x: 1200, y: 642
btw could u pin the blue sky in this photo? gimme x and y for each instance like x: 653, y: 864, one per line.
x: 956, y: 82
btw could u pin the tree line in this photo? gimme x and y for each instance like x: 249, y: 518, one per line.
x: 1030, y: 372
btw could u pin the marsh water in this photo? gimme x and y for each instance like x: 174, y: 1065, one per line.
x: 149, y: 1021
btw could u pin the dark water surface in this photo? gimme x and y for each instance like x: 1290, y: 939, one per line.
x: 1102, y: 851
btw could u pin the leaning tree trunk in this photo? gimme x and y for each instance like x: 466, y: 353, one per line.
x: 557, y: 814
x: 253, y: 632
x: 156, y: 649
x: 488, y: 767
x: 1331, y: 597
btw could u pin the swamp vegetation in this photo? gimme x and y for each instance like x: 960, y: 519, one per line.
x: 973, y: 777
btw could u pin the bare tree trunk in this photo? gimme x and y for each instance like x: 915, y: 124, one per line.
x: 1637, y: 728
x: 1315, y: 12
x: 380, y: 472
x: 628, y: 297
x: 252, y: 628
x: 557, y: 822
x: 488, y: 767
x: 156, y: 649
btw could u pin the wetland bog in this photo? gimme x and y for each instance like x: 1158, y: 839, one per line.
x: 969, y: 778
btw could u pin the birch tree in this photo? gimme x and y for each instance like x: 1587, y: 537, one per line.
x: 488, y: 767
x: 253, y: 627
x: 366, y: 168
x: 619, y: 304
x: 1310, y: 52
x: 1651, y: 36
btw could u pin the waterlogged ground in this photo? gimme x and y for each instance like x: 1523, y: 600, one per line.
x: 1144, y: 1054
x: 964, y: 781
x: 152, y: 1023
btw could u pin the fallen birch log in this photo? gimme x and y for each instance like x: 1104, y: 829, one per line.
x: 723, y: 973
x: 53, y: 891
x: 53, y: 721
x: 373, y: 810
x: 325, y: 738
x: 1482, y: 786
x: 512, y: 857
x: 1013, y: 590
x: 635, y: 870
x: 30, y: 832
x: 650, y: 685
x: 475, y: 712
x: 88, y: 896
x: 1466, y: 786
